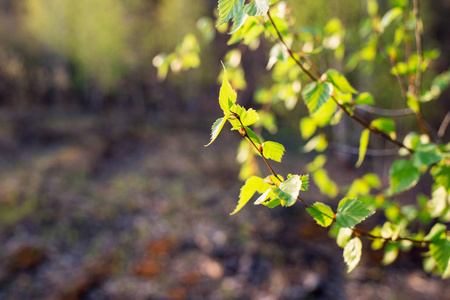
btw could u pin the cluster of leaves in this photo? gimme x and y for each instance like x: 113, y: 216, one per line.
x: 329, y: 96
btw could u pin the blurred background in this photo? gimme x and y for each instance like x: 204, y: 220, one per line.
x: 106, y: 190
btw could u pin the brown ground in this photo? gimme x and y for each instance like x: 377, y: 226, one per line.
x: 96, y: 208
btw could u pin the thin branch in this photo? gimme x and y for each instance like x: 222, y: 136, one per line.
x: 399, y: 77
x: 291, y: 54
x: 375, y: 237
x: 260, y: 151
x: 418, y: 80
x: 386, y: 112
x: 444, y: 125
x: 365, y: 123
x: 369, y: 152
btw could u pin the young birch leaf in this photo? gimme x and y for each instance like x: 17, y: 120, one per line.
x: 426, y: 154
x: 227, y: 96
x: 305, y: 182
x: 272, y: 203
x: 364, y: 98
x: 344, y: 235
x: 441, y: 174
x: 385, y: 125
x: 263, y: 197
x: 440, y: 251
x: 252, y: 185
x: 255, y: 139
x: 436, y: 232
x: 403, y: 175
x: 351, y: 212
x: 390, y: 16
x: 228, y: 9
x: 315, y: 95
x: 257, y: 8
x: 363, y: 142
x: 273, y: 150
x: 216, y: 128
x: 322, y: 214
x: 352, y: 253
x: 288, y: 190
x: 248, y: 117
x: 339, y: 81
x: 239, y: 20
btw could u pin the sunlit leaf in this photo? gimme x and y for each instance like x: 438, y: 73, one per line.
x: 216, y: 128
x: 228, y: 9
x: 352, y: 253
x: 252, y: 185
x: 273, y: 150
x: 322, y: 214
x: 351, y: 212
x: 390, y: 16
x: 339, y: 81
x: 441, y: 173
x: 440, y: 251
x: 315, y: 95
x: 436, y: 232
x: 403, y: 176
x: 390, y: 254
x: 364, y: 98
x: 385, y: 125
x: 307, y: 127
x: 426, y: 154
x: 288, y: 190
x: 257, y: 8
x: 344, y: 235
x: 227, y: 96
x: 363, y: 142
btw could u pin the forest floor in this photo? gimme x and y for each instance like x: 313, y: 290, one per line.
x: 98, y: 208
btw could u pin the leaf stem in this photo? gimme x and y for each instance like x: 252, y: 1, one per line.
x: 375, y: 237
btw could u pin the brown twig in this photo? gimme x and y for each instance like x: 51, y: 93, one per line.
x: 260, y: 151
x: 376, y: 237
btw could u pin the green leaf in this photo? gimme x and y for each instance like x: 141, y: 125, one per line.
x: 403, y: 176
x: 315, y: 95
x: 305, y: 182
x: 273, y: 150
x: 344, y: 235
x: 252, y: 185
x: 248, y: 117
x: 351, y: 212
x: 363, y: 142
x: 440, y: 251
x: 339, y: 81
x: 215, y: 129
x: 390, y: 16
x: 385, y: 125
x: 255, y: 139
x: 436, y: 232
x: 227, y: 96
x: 307, y: 127
x: 257, y: 8
x: 272, y: 203
x: 228, y: 9
x: 441, y: 174
x: 426, y: 154
x: 288, y: 190
x: 352, y: 253
x: 324, y: 183
x: 364, y: 98
x: 263, y: 197
x: 390, y: 254
x: 322, y: 213
x: 239, y: 20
